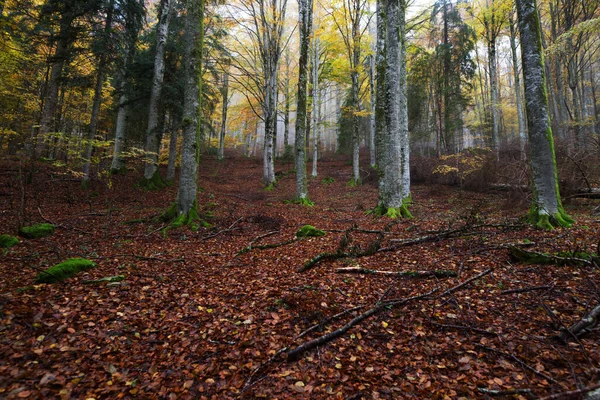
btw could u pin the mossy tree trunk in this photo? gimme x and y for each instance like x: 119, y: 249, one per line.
x: 547, y: 210
x: 192, y: 115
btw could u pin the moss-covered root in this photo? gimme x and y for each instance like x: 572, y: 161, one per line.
x: 309, y: 231
x: 549, y: 222
x: 392, y: 212
x: 64, y: 270
x: 154, y: 183
x: 7, y: 241
x: 304, y: 201
x: 191, y: 219
x: 36, y: 231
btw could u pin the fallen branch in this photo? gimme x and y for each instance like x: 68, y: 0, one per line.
x: 465, y: 283
x: 295, y: 354
x: 535, y: 257
x: 229, y: 229
x: 509, y: 392
x: 403, y: 274
x: 574, y: 393
x: 521, y: 362
x: 466, y: 328
x: 585, y: 325
x: 527, y: 289
x: 251, y: 246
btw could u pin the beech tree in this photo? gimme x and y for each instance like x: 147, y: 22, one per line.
x: 184, y: 211
x: 153, y: 136
x: 305, y: 27
x: 394, y: 191
x: 133, y: 13
x: 547, y: 210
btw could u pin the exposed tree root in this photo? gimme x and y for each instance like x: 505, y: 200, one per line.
x: 402, y: 274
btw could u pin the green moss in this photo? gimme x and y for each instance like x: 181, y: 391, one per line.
x: 327, y: 181
x: 36, y: 231
x: 393, y: 212
x: 549, y: 222
x: 305, y: 201
x: 270, y: 187
x: 309, y: 231
x: 154, y: 183
x: 7, y: 241
x: 353, y: 182
x: 64, y: 270
x: 192, y: 219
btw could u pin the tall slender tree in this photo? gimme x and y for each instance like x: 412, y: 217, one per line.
x: 547, y: 210
x: 305, y: 27
x: 103, y: 61
x: 152, y: 133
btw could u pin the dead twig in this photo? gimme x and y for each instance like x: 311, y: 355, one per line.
x: 521, y: 362
x: 229, y: 229
x: 527, y: 289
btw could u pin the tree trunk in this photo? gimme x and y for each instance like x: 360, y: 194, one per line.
x: 546, y: 209
x: 315, y: 138
x: 175, y: 123
x: 517, y: 75
x: 57, y: 61
x: 394, y: 192
x: 372, y: 151
x: 152, y: 134
x: 305, y: 23
x: 355, y: 95
x: 192, y: 115
x: 225, y: 99
x: 100, y: 74
x: 494, y: 97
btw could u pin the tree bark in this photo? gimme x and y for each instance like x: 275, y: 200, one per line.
x: 225, y: 99
x: 395, y: 190
x: 57, y: 62
x: 152, y: 134
x: 305, y: 16
x: 192, y: 116
x: 316, y: 100
x: 546, y: 209
x: 172, y: 148
x: 100, y: 75
x: 517, y: 75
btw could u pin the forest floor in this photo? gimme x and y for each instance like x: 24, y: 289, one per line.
x: 195, y: 318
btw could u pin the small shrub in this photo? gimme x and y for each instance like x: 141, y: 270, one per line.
x: 64, y: 270
x: 309, y: 231
x: 36, y: 231
x: 7, y: 241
